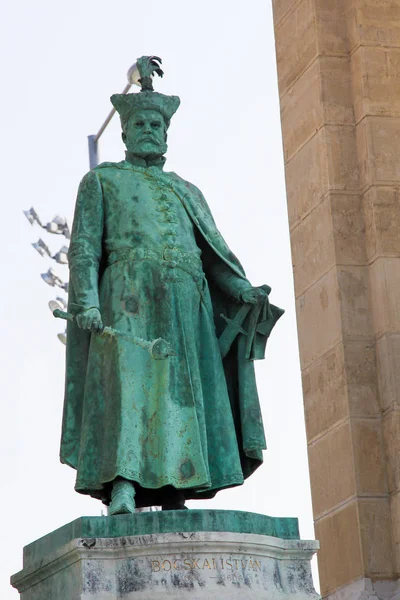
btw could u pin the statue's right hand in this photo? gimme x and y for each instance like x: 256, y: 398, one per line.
x: 89, y: 319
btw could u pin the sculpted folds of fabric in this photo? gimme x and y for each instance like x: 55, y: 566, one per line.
x: 147, y: 260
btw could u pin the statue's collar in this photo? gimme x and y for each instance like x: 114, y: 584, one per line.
x: 138, y: 161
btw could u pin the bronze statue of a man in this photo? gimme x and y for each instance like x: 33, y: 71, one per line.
x: 147, y: 259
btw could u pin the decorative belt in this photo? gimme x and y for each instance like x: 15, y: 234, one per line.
x: 171, y: 255
x: 190, y: 262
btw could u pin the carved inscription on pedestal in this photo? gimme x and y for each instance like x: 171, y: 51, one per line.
x: 211, y: 563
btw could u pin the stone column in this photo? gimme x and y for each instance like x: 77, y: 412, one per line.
x: 339, y: 84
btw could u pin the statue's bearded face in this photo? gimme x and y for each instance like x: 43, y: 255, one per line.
x: 145, y: 134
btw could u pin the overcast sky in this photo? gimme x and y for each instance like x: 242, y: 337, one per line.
x: 61, y: 63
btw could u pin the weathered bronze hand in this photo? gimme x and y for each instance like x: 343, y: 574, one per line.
x: 253, y: 295
x: 89, y: 319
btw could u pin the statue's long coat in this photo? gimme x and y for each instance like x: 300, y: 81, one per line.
x: 187, y: 421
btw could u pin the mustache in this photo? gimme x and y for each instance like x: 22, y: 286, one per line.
x: 149, y: 138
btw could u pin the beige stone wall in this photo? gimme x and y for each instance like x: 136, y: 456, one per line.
x: 339, y: 84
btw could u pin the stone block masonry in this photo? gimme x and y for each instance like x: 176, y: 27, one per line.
x: 339, y: 81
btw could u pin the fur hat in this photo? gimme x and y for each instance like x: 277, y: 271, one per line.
x: 128, y: 104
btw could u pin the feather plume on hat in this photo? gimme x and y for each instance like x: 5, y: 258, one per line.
x: 127, y: 104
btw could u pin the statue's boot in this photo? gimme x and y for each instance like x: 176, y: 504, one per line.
x: 176, y: 501
x: 122, y: 498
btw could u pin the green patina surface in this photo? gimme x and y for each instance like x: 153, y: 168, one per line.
x: 147, y: 261
x: 161, y: 522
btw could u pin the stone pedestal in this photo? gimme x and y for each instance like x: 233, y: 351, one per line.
x: 195, y: 554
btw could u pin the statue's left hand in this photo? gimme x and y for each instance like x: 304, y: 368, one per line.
x: 253, y: 295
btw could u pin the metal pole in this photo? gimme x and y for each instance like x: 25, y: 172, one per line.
x: 93, y: 139
x: 93, y: 151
